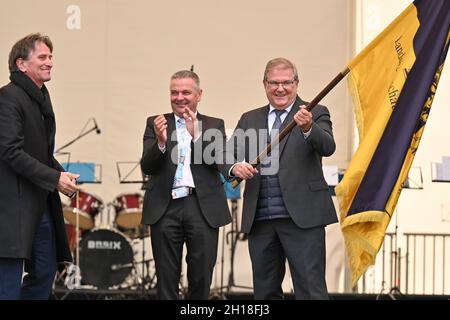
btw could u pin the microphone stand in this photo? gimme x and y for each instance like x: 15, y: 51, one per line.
x: 145, y: 280
x: 77, y: 138
x: 73, y: 278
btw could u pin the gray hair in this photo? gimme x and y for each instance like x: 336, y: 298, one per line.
x: 281, y: 63
x: 183, y: 74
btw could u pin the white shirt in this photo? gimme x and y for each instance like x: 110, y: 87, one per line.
x: 272, y: 116
x: 271, y: 119
x: 187, y: 180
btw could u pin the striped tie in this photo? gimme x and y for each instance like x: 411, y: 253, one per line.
x: 182, y: 149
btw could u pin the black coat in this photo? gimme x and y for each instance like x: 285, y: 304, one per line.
x: 29, y: 173
x: 161, y: 169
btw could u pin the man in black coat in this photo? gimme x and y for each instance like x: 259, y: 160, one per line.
x: 32, y: 230
x: 184, y: 201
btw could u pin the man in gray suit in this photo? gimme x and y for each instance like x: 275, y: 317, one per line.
x: 286, y: 199
x: 184, y: 200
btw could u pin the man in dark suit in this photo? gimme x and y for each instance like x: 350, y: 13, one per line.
x: 184, y: 201
x: 32, y: 230
x: 286, y: 200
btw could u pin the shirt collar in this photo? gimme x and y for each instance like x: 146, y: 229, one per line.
x: 177, y: 117
x: 288, y: 109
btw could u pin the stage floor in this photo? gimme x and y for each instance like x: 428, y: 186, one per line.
x: 62, y: 293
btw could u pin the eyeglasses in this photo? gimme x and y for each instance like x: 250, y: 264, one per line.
x: 276, y: 84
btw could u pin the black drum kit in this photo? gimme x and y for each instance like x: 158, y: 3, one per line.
x: 104, y: 257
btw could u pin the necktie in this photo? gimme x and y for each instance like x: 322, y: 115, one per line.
x: 182, y: 149
x: 276, y: 124
x: 273, y: 132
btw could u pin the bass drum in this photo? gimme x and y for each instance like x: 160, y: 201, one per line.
x: 106, y: 258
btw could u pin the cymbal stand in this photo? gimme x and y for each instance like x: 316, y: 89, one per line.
x: 235, y: 235
x: 395, y: 292
x: 130, y: 177
x: 217, y: 293
x: 395, y: 257
x: 109, y: 217
x: 141, y: 235
x: 77, y: 230
x: 146, y: 279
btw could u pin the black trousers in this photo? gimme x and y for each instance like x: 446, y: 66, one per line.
x: 184, y: 223
x: 271, y: 242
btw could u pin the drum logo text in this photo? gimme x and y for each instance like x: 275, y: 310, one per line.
x: 109, y: 245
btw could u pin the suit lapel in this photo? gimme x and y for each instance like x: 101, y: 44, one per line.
x: 171, y: 136
x: 261, y: 123
x: 262, y: 118
x: 203, y: 121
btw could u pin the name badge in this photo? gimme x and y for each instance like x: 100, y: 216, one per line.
x: 179, y: 193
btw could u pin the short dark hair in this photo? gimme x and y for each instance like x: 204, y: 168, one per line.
x: 183, y: 74
x: 24, y: 48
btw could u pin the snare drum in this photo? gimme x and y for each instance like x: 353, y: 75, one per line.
x: 106, y: 258
x: 88, y: 208
x: 128, y: 208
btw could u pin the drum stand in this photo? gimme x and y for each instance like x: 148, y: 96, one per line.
x: 146, y: 281
x: 230, y: 237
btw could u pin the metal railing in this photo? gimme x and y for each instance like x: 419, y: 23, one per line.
x: 417, y: 265
x: 427, y: 255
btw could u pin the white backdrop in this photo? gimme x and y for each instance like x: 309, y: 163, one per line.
x: 113, y: 60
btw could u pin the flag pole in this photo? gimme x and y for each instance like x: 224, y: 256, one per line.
x: 236, y: 181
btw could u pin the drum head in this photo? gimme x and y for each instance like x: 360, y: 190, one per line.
x: 129, y: 219
x: 106, y: 258
x: 85, y: 221
x: 128, y: 208
x: 86, y: 206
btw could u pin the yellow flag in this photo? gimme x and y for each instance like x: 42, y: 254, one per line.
x: 393, y: 82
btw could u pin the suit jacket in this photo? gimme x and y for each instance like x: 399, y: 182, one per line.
x: 29, y: 173
x: 303, y: 187
x: 161, y: 170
